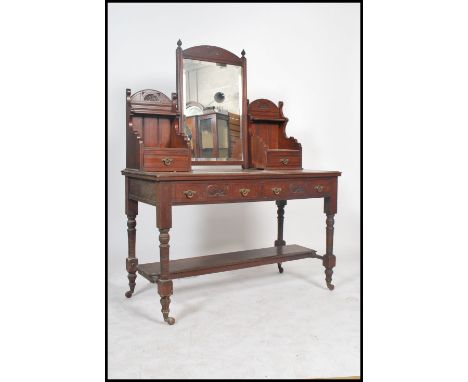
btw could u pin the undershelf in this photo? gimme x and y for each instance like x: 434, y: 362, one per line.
x: 227, y: 261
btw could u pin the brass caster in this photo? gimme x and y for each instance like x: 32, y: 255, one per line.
x: 128, y: 294
x: 170, y: 320
x: 280, y: 268
x: 330, y: 286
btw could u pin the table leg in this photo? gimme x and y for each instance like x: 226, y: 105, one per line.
x: 165, y: 288
x: 329, y: 260
x: 330, y: 209
x: 280, y: 242
x: 164, y: 223
x: 131, y: 261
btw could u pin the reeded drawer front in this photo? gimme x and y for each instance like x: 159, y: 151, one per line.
x: 189, y: 193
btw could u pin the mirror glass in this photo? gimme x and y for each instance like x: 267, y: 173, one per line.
x: 212, y: 115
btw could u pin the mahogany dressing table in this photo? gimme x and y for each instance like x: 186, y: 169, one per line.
x: 166, y: 136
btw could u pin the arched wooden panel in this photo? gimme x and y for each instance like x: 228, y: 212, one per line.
x: 212, y: 54
x: 150, y: 96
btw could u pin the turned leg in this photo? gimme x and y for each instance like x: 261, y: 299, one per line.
x: 164, y: 223
x: 131, y: 261
x: 164, y: 284
x: 280, y: 242
x: 165, y: 291
x: 329, y: 259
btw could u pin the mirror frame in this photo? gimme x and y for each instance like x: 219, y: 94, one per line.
x: 218, y: 55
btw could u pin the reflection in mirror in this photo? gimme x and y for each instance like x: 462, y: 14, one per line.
x: 213, y: 110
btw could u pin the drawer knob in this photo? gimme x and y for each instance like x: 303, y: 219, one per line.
x: 276, y: 190
x: 318, y: 188
x: 284, y: 161
x: 167, y: 161
x: 244, y: 191
x: 189, y: 193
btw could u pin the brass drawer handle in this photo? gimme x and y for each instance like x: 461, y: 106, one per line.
x: 284, y: 161
x: 318, y: 188
x: 244, y: 191
x: 276, y: 190
x: 167, y: 161
x: 189, y: 193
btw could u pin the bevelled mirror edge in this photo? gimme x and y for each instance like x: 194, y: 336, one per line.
x: 213, y: 54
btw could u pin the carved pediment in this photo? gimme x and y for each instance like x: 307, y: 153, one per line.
x: 211, y: 53
x: 150, y: 96
x: 265, y: 108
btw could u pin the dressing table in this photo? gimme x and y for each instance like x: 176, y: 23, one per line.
x: 209, y: 122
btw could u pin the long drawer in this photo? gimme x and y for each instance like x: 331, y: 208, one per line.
x: 214, y: 192
x: 237, y: 191
x: 296, y: 189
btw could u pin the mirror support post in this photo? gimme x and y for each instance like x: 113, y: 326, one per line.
x: 244, y: 128
x: 179, y: 85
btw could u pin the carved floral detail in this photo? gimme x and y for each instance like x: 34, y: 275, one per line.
x: 296, y: 189
x: 215, y: 190
x: 151, y: 97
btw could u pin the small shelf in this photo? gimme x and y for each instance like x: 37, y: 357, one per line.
x: 227, y: 261
x: 268, y: 119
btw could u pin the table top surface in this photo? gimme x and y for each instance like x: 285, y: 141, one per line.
x: 228, y: 173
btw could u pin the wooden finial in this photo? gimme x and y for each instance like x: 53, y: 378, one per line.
x: 179, y: 43
x: 243, y: 52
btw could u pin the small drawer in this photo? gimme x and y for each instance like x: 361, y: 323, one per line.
x: 276, y: 190
x: 284, y: 159
x: 189, y: 193
x: 245, y: 191
x: 157, y: 159
x: 319, y: 187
